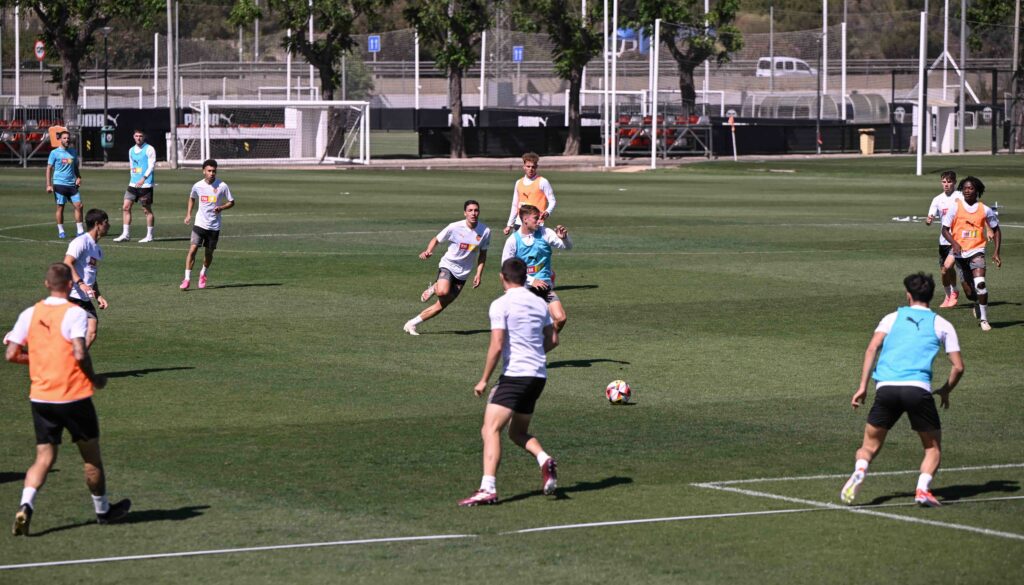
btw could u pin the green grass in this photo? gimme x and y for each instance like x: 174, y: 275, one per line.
x: 288, y: 407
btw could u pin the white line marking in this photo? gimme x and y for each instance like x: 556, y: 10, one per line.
x: 237, y: 550
x: 28, y: 225
x: 873, y: 473
x: 862, y: 510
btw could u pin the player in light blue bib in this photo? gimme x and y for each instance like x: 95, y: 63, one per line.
x: 141, y: 168
x: 63, y: 179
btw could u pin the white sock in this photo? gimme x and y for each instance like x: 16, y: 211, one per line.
x: 149, y: 231
x: 542, y: 458
x: 28, y: 496
x: 125, y: 230
x: 415, y: 320
x: 79, y: 227
x: 983, y: 312
x: 188, y: 275
x: 202, y: 271
x: 101, y: 504
x: 861, y: 466
x: 60, y: 228
x: 488, y: 483
x: 923, y: 481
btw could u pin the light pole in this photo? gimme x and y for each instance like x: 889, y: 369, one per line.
x: 106, y: 62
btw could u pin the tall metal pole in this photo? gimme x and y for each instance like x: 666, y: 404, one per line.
x: 614, y: 111
x: 17, y: 55
x: 963, y: 75
x: 706, y: 86
x: 605, y: 120
x: 256, y: 37
x: 771, y: 47
x: 824, y: 49
x: 312, y: 83
x: 817, y: 120
x: 2, y: 15
x: 654, y: 96
x: 156, y: 69
x: 288, y: 70
x: 172, y: 80
x: 483, y: 64
x: 1016, y: 36
x: 416, y: 72
x: 842, y: 66
x: 922, y: 116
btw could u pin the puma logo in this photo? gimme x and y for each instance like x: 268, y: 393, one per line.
x: 917, y: 324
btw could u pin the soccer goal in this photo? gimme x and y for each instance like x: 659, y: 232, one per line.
x: 250, y: 132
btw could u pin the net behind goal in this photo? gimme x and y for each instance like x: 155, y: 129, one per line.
x: 276, y: 132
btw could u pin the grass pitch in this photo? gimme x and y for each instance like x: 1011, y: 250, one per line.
x: 285, y: 406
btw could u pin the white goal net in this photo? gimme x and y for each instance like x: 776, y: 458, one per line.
x: 250, y: 132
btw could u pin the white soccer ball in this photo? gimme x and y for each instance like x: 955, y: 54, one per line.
x: 618, y: 392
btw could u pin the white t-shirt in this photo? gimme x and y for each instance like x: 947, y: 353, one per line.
x: 210, y: 196
x: 990, y: 217
x: 75, y: 323
x: 943, y: 330
x: 463, y: 246
x: 523, y: 315
x: 545, y: 186
x: 87, y: 254
x: 940, y: 206
x: 548, y: 235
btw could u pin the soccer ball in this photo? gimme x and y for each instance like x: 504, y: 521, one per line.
x: 618, y: 392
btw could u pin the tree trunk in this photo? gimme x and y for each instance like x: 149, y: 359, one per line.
x: 1017, y: 112
x: 71, y: 78
x: 572, y: 142
x: 455, y: 93
x: 335, y: 116
x: 687, y: 91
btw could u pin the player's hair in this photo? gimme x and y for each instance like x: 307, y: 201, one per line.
x: 528, y: 210
x: 210, y: 163
x: 921, y: 287
x: 951, y: 175
x: 62, y: 133
x: 469, y: 202
x: 139, y: 131
x: 95, y: 216
x: 979, y: 187
x: 514, y: 271
x: 58, y: 275
x: 531, y: 157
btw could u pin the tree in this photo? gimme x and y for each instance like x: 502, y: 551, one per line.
x: 576, y: 41
x: 984, y: 16
x: 70, y: 28
x: 452, y: 31
x: 689, y: 40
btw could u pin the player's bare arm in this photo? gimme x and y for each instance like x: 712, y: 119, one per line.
x: 188, y: 210
x: 81, y: 353
x: 954, y: 247
x: 49, y: 178
x: 550, y: 338
x: 481, y: 260
x: 76, y: 278
x: 997, y: 239
x: 16, y: 353
x: 491, y: 361
x: 956, y: 371
x: 869, y: 363
x: 221, y: 208
x: 429, y: 251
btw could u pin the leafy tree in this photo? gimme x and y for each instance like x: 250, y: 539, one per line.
x: 452, y: 31
x: 990, y: 14
x: 687, y: 38
x: 70, y: 29
x: 576, y: 41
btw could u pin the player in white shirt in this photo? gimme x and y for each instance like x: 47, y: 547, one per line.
x: 141, y: 164
x: 521, y: 334
x: 531, y: 189
x: 468, y: 241
x: 941, y: 205
x: 83, y: 257
x: 965, y: 227
x: 213, y: 196
x: 533, y: 244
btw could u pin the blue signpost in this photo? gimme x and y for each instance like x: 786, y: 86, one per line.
x: 517, y: 54
x: 373, y: 44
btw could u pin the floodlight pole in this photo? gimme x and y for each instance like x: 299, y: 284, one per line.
x: 605, y: 120
x: 963, y: 75
x: 654, y: 97
x: 823, y: 65
x: 288, y: 69
x: 416, y: 72
x: 842, y: 90
x: 172, y: 80
x: 614, y: 110
x: 771, y: 48
x: 17, y: 55
x: 312, y: 82
x: 922, y: 118
x: 483, y: 64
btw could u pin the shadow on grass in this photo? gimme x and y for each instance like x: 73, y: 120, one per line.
x: 575, y: 287
x: 584, y: 363
x: 144, y: 371
x: 562, y: 493
x: 11, y: 476
x: 245, y: 285
x: 959, y: 492
x: 175, y: 515
x: 185, y: 239
x: 1004, y: 324
x: 464, y: 332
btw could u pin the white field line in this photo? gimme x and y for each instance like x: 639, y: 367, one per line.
x: 872, y: 473
x: 237, y: 550
x: 816, y: 508
x: 28, y: 225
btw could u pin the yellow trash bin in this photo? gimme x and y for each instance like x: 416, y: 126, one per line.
x: 867, y: 140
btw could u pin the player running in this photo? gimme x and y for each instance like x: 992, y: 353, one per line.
x: 213, y: 196
x: 521, y: 334
x: 532, y: 243
x: 941, y: 205
x: 533, y: 190
x: 964, y: 227
x: 141, y: 163
x: 63, y: 178
x: 83, y: 258
x: 468, y: 241
x: 909, y: 340
x: 61, y: 392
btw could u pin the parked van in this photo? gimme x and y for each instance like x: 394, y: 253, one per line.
x: 784, y: 66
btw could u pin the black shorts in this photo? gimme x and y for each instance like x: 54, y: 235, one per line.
x: 143, y: 195
x: 78, y: 417
x: 892, y: 401
x: 205, y: 238
x: 456, y: 288
x: 967, y: 266
x: 943, y: 252
x: 517, y: 393
x: 87, y: 305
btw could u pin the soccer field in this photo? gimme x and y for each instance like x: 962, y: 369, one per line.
x: 280, y: 427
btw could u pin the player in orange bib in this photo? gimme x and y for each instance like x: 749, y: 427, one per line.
x: 62, y: 383
x: 964, y: 226
x: 532, y: 189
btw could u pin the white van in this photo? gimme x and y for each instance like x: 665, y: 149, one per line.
x: 784, y: 66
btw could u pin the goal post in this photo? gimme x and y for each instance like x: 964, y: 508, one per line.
x: 261, y: 132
